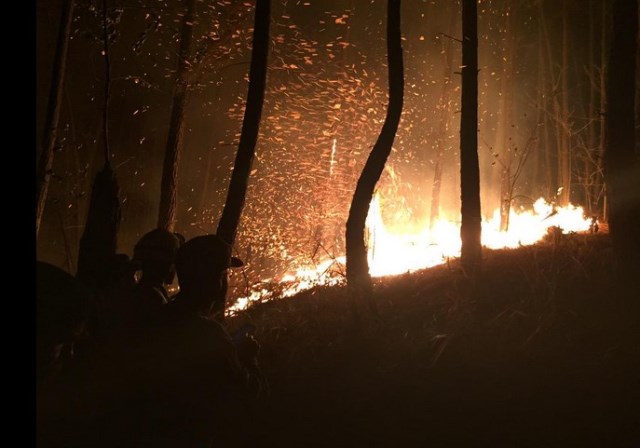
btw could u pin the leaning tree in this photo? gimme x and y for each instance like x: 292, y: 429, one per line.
x: 230, y: 219
x: 357, y: 264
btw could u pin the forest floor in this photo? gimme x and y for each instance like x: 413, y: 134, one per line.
x: 540, y: 349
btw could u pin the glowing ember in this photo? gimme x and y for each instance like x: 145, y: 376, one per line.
x: 394, y: 251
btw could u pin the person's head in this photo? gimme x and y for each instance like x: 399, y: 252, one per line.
x: 202, y: 265
x: 155, y: 254
x: 61, y: 312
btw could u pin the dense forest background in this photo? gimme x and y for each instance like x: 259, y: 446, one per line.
x: 540, y: 111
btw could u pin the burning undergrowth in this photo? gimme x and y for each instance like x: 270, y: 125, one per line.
x: 403, y: 247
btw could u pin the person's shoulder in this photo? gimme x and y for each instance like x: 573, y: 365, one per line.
x: 151, y: 294
x: 214, y: 330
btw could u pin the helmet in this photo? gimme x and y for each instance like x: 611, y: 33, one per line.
x: 157, y: 245
x: 208, y: 252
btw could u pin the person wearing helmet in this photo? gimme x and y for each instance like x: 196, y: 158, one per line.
x: 205, y: 380
x: 203, y: 272
x: 154, y: 255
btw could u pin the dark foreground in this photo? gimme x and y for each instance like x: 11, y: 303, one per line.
x: 542, y: 349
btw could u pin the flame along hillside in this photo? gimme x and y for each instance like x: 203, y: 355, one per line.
x: 394, y: 250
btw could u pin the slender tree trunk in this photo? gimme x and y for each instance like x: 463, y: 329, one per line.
x: 169, y: 184
x: 471, y: 228
x: 357, y: 264
x: 564, y: 167
x: 230, y: 219
x: 603, y: 107
x: 541, y: 172
x: 506, y: 123
x: 45, y: 161
x: 622, y: 172
x: 592, y: 144
x: 543, y: 93
x: 99, y: 239
x: 557, y: 109
x: 443, y: 130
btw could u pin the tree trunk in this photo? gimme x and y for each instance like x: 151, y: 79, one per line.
x: 230, y: 219
x: 603, y: 108
x: 557, y: 109
x: 506, y: 122
x: 590, y: 170
x: 45, y: 161
x: 622, y: 172
x: 564, y: 159
x: 541, y: 174
x: 471, y: 228
x: 99, y: 241
x: 357, y: 264
x: 169, y: 184
x: 544, y: 104
x: 443, y: 131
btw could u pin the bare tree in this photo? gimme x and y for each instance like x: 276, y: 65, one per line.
x: 445, y: 118
x: 506, y: 129
x: 564, y: 156
x: 168, y: 195
x: 559, y: 96
x: 230, y: 219
x: 45, y: 161
x: 471, y: 227
x: 357, y: 264
x: 100, y: 237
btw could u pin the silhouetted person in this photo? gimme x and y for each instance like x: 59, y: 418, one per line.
x: 205, y: 380
x: 155, y: 253
x: 61, y: 310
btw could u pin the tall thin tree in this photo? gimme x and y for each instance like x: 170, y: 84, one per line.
x: 45, y: 161
x: 471, y: 228
x: 445, y: 118
x: 100, y: 236
x: 564, y: 156
x: 357, y: 264
x: 506, y: 125
x: 622, y: 171
x: 603, y: 105
x: 168, y: 187
x: 230, y: 219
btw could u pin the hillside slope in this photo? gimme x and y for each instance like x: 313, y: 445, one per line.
x: 542, y: 348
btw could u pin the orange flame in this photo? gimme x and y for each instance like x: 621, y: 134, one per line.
x: 398, y: 250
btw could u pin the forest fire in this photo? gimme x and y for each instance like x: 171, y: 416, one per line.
x: 394, y: 250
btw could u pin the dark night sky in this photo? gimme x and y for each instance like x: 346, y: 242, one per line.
x: 326, y: 82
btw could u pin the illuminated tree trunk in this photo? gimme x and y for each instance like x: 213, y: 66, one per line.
x: 603, y: 106
x: 443, y: 131
x: 470, y: 230
x: 590, y: 171
x: 230, y: 219
x: 45, y: 161
x: 561, y: 126
x: 542, y: 175
x: 622, y: 172
x: 506, y: 123
x: 168, y: 187
x: 549, y: 179
x: 357, y: 264
x: 564, y: 157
